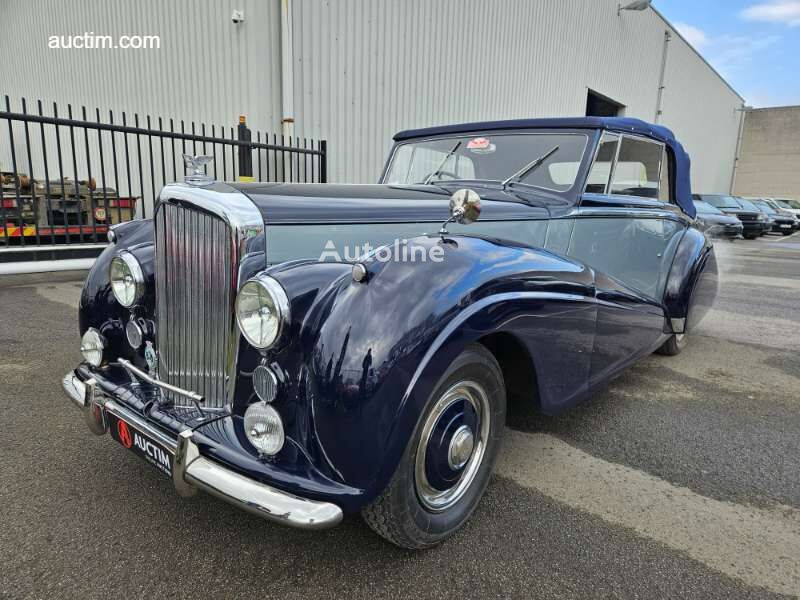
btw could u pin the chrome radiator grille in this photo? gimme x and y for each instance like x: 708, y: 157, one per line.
x: 194, y: 302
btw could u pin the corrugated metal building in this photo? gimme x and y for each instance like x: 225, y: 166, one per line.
x: 769, y: 156
x: 354, y: 72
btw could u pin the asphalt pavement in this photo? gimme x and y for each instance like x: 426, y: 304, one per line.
x: 682, y: 479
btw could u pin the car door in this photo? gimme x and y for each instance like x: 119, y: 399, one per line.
x: 627, y: 228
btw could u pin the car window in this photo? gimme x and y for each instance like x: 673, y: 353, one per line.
x: 638, y: 168
x: 705, y: 207
x: 795, y: 204
x: 765, y: 207
x: 491, y: 157
x: 597, y: 181
x: 721, y: 201
x: 747, y: 205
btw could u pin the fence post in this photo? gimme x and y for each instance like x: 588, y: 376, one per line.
x: 245, y: 152
x: 323, y: 161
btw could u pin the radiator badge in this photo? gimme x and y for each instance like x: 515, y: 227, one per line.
x: 151, y: 357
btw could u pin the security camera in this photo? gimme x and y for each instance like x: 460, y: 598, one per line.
x: 237, y: 17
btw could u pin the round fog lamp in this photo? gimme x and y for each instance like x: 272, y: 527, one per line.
x: 92, y: 347
x: 263, y: 428
x: 127, y: 279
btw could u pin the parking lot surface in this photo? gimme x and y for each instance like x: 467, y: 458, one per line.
x: 682, y: 479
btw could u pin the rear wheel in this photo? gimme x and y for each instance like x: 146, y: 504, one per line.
x: 447, y: 463
x: 674, y: 345
x: 750, y: 236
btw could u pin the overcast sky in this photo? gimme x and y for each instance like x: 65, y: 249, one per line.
x: 754, y: 44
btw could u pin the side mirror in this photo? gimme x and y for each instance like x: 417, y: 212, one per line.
x: 465, y: 208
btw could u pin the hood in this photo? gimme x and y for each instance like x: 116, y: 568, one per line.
x: 721, y: 219
x: 336, y: 203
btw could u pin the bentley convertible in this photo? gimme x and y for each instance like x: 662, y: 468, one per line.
x: 305, y: 351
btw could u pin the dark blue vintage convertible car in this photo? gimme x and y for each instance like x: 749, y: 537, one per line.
x: 306, y: 351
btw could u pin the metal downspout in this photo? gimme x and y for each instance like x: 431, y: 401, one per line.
x: 287, y: 71
x: 662, y: 75
x: 737, y: 154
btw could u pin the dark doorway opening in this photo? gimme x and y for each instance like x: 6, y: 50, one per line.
x: 598, y: 105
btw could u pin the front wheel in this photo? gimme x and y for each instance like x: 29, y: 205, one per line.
x: 674, y: 345
x: 447, y: 463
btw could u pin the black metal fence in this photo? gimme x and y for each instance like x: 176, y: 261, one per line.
x: 67, y: 176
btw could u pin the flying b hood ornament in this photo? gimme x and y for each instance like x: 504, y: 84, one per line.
x: 195, y: 169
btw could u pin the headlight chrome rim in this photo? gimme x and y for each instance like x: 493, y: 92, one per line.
x: 93, y: 341
x: 279, y: 301
x: 137, y: 275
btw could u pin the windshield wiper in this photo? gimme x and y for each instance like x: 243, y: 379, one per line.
x: 441, y: 164
x: 528, y: 168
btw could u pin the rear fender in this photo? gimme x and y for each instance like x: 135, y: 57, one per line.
x: 692, y: 283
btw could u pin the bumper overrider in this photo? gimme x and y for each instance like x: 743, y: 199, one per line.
x: 190, y: 470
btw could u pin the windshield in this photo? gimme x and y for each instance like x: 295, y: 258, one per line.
x: 747, y: 205
x: 795, y: 204
x: 492, y: 158
x: 765, y: 207
x: 706, y: 208
x: 721, y: 201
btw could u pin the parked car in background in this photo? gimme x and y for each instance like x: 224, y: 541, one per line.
x: 782, y: 223
x: 752, y: 219
x: 716, y: 223
x: 225, y: 345
x: 785, y: 210
x: 792, y: 206
x: 767, y: 222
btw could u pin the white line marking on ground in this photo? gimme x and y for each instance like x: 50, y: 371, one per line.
x: 757, y: 546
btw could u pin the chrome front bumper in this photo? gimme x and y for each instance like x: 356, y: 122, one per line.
x: 191, y: 471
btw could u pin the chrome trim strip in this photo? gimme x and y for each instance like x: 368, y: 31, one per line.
x: 164, y: 386
x: 74, y: 388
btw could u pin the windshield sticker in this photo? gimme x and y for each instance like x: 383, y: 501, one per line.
x: 481, y: 145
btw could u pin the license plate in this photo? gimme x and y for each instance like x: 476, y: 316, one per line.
x: 141, y: 444
x: 785, y: 226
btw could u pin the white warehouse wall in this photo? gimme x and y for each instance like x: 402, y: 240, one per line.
x: 366, y: 69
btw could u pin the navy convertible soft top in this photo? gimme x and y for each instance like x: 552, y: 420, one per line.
x: 683, y: 186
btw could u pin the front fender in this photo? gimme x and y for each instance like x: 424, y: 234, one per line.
x: 369, y: 354
x: 99, y: 309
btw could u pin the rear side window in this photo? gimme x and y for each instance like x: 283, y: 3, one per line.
x: 638, y: 168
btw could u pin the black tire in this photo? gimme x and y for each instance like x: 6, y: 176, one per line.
x: 787, y: 232
x: 398, y: 514
x: 673, y: 346
x: 751, y: 236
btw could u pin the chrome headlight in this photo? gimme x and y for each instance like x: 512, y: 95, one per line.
x: 127, y: 279
x: 92, y: 346
x: 264, y: 428
x: 262, y: 309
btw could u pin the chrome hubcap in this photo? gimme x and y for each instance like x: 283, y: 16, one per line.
x: 452, y: 445
x: 461, y: 446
